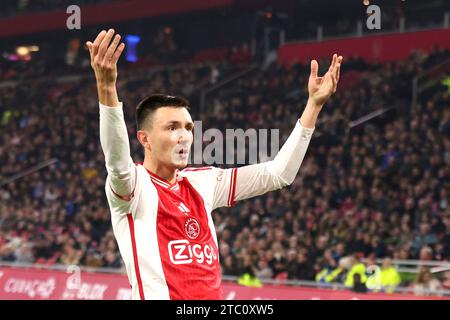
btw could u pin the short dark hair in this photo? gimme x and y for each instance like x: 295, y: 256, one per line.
x: 150, y: 104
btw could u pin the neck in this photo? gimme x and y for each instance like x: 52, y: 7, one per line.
x: 165, y: 172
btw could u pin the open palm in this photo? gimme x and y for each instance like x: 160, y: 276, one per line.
x: 320, y: 89
x: 104, y: 56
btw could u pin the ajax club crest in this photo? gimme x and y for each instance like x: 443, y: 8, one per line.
x: 192, y: 228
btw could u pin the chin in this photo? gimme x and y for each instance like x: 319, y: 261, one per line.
x: 181, y: 166
x: 180, y: 162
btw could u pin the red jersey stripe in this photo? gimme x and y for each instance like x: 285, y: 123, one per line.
x: 197, y: 169
x: 230, y: 188
x: 135, y: 257
x: 233, y: 186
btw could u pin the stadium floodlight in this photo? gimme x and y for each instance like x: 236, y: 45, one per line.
x: 22, y: 50
x: 131, y: 44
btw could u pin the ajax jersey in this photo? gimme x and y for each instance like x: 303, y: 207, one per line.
x: 166, y: 234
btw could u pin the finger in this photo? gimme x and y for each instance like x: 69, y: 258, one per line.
x: 104, y: 45
x: 97, y: 42
x: 118, y: 52
x: 89, y: 46
x: 112, y: 48
x: 333, y: 63
x: 333, y: 81
x: 336, y: 77
x: 329, y: 81
x: 337, y: 70
x: 339, y: 67
x: 314, y: 68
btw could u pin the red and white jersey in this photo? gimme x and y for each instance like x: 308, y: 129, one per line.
x: 165, y: 232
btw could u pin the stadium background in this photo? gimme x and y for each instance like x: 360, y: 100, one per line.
x: 373, y: 189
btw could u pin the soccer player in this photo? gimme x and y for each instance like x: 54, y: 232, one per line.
x: 161, y: 210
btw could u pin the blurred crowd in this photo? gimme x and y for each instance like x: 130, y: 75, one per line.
x: 379, y: 190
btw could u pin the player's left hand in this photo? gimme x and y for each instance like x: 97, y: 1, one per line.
x: 320, y: 89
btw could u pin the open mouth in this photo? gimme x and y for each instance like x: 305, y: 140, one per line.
x: 183, y: 153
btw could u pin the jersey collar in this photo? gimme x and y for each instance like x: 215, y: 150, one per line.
x: 163, y: 182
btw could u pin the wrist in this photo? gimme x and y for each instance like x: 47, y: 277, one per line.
x: 107, y: 95
x: 312, y: 103
x: 108, y: 87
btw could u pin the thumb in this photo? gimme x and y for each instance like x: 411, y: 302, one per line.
x: 314, y: 68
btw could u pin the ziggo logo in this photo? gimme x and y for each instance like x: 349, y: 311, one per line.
x: 182, y: 252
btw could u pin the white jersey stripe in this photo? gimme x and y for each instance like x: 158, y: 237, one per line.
x: 160, y: 181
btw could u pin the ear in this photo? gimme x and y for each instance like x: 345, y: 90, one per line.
x: 143, y: 138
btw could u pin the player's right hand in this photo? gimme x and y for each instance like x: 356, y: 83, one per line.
x: 104, y: 56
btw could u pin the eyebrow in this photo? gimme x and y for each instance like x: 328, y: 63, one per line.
x: 178, y: 122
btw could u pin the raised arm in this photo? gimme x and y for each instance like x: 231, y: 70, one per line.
x: 320, y: 90
x: 104, y: 57
x: 113, y: 132
x: 253, y: 180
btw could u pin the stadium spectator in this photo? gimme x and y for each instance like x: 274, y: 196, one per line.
x: 425, y: 283
x: 389, y: 276
x: 358, y: 285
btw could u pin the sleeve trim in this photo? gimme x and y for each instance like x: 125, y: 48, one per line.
x: 126, y: 198
x: 232, y: 189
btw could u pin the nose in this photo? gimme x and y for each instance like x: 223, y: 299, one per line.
x: 183, y: 137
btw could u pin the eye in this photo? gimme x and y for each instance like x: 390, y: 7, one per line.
x: 171, y: 128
